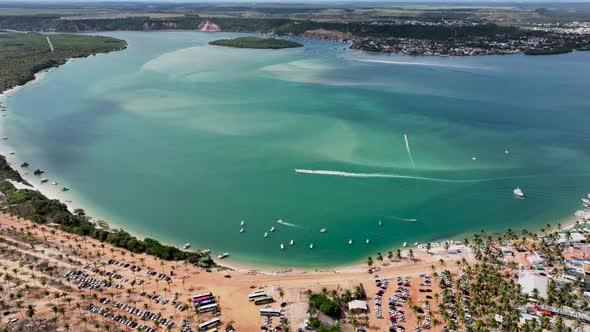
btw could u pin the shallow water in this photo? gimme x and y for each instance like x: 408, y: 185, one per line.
x: 178, y: 140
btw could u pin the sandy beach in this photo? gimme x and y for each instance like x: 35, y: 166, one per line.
x: 70, y: 252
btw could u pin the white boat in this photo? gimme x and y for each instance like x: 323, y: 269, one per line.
x: 585, y: 200
x: 205, y: 252
x: 311, y: 246
x: 280, y: 221
x: 242, y: 223
x: 282, y: 246
x: 416, y: 244
x: 222, y: 255
x: 587, y: 206
x: 186, y: 245
x: 350, y: 241
x: 588, y: 196
x: 474, y: 158
x: 506, y: 151
x: 241, y: 230
x: 380, y: 223
x: 44, y: 180
x: 323, y: 230
x: 54, y: 183
x: 265, y: 234
x: 518, y: 192
x: 291, y: 242
x: 272, y: 229
x: 405, y: 244
x: 368, y: 241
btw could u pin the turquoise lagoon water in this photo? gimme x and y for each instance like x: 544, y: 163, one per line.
x: 178, y: 140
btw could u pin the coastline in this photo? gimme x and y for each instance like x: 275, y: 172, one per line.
x: 235, y: 265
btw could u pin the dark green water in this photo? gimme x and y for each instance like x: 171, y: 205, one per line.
x: 178, y: 140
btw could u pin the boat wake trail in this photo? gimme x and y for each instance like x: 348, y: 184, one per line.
x: 384, y: 175
x: 286, y: 223
x: 403, y: 219
x: 409, y: 152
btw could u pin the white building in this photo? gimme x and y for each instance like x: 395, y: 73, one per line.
x: 529, y: 281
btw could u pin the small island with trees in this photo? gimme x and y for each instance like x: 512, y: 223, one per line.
x: 256, y: 42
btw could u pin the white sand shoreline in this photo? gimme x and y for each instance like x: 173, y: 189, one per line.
x: 72, y: 202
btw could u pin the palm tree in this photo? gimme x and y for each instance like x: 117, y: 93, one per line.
x: 370, y: 261
x: 379, y: 257
x: 411, y: 254
x: 31, y: 311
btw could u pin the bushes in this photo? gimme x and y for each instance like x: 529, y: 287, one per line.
x: 34, y: 206
x: 322, y: 303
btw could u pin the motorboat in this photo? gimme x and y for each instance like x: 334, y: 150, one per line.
x: 282, y: 246
x: 265, y: 234
x: 65, y: 189
x: 241, y: 230
x: 242, y: 223
x: 25, y: 164
x: 405, y: 244
x: 368, y: 241
x: 380, y: 223
x: 44, y: 180
x: 223, y: 255
x: 272, y: 229
x: 291, y: 242
x: 323, y: 230
x: 518, y: 192
x: 586, y: 200
x: 311, y: 246
x: 186, y: 245
x: 350, y: 241
x: 38, y: 171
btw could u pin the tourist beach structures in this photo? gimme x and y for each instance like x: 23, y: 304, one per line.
x: 286, y: 175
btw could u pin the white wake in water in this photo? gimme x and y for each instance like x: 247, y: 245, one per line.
x: 409, y: 152
x: 287, y: 224
x: 382, y: 175
x: 403, y: 219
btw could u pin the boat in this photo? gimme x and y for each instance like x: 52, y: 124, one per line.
x: 291, y: 242
x: 242, y: 223
x: 205, y: 252
x: 44, y: 180
x: 54, y: 183
x: 241, y: 230
x: 416, y: 243
x: 518, y: 192
x: 368, y: 241
x: 323, y: 230
x: 585, y: 200
x: 38, y: 171
x: 474, y: 158
x: 587, y: 206
x: 25, y: 164
x: 272, y: 229
x: 65, y: 189
x: 186, y: 245
x: 588, y: 196
x: 311, y: 246
x: 380, y: 222
x: 280, y: 221
x: 222, y: 255
x: 506, y: 151
x: 265, y: 234
x: 282, y: 246
x: 405, y: 244
x: 350, y: 241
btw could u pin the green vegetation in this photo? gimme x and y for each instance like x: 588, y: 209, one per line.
x: 561, y: 50
x: 322, y: 303
x: 24, y: 54
x: 34, y: 206
x: 256, y: 42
